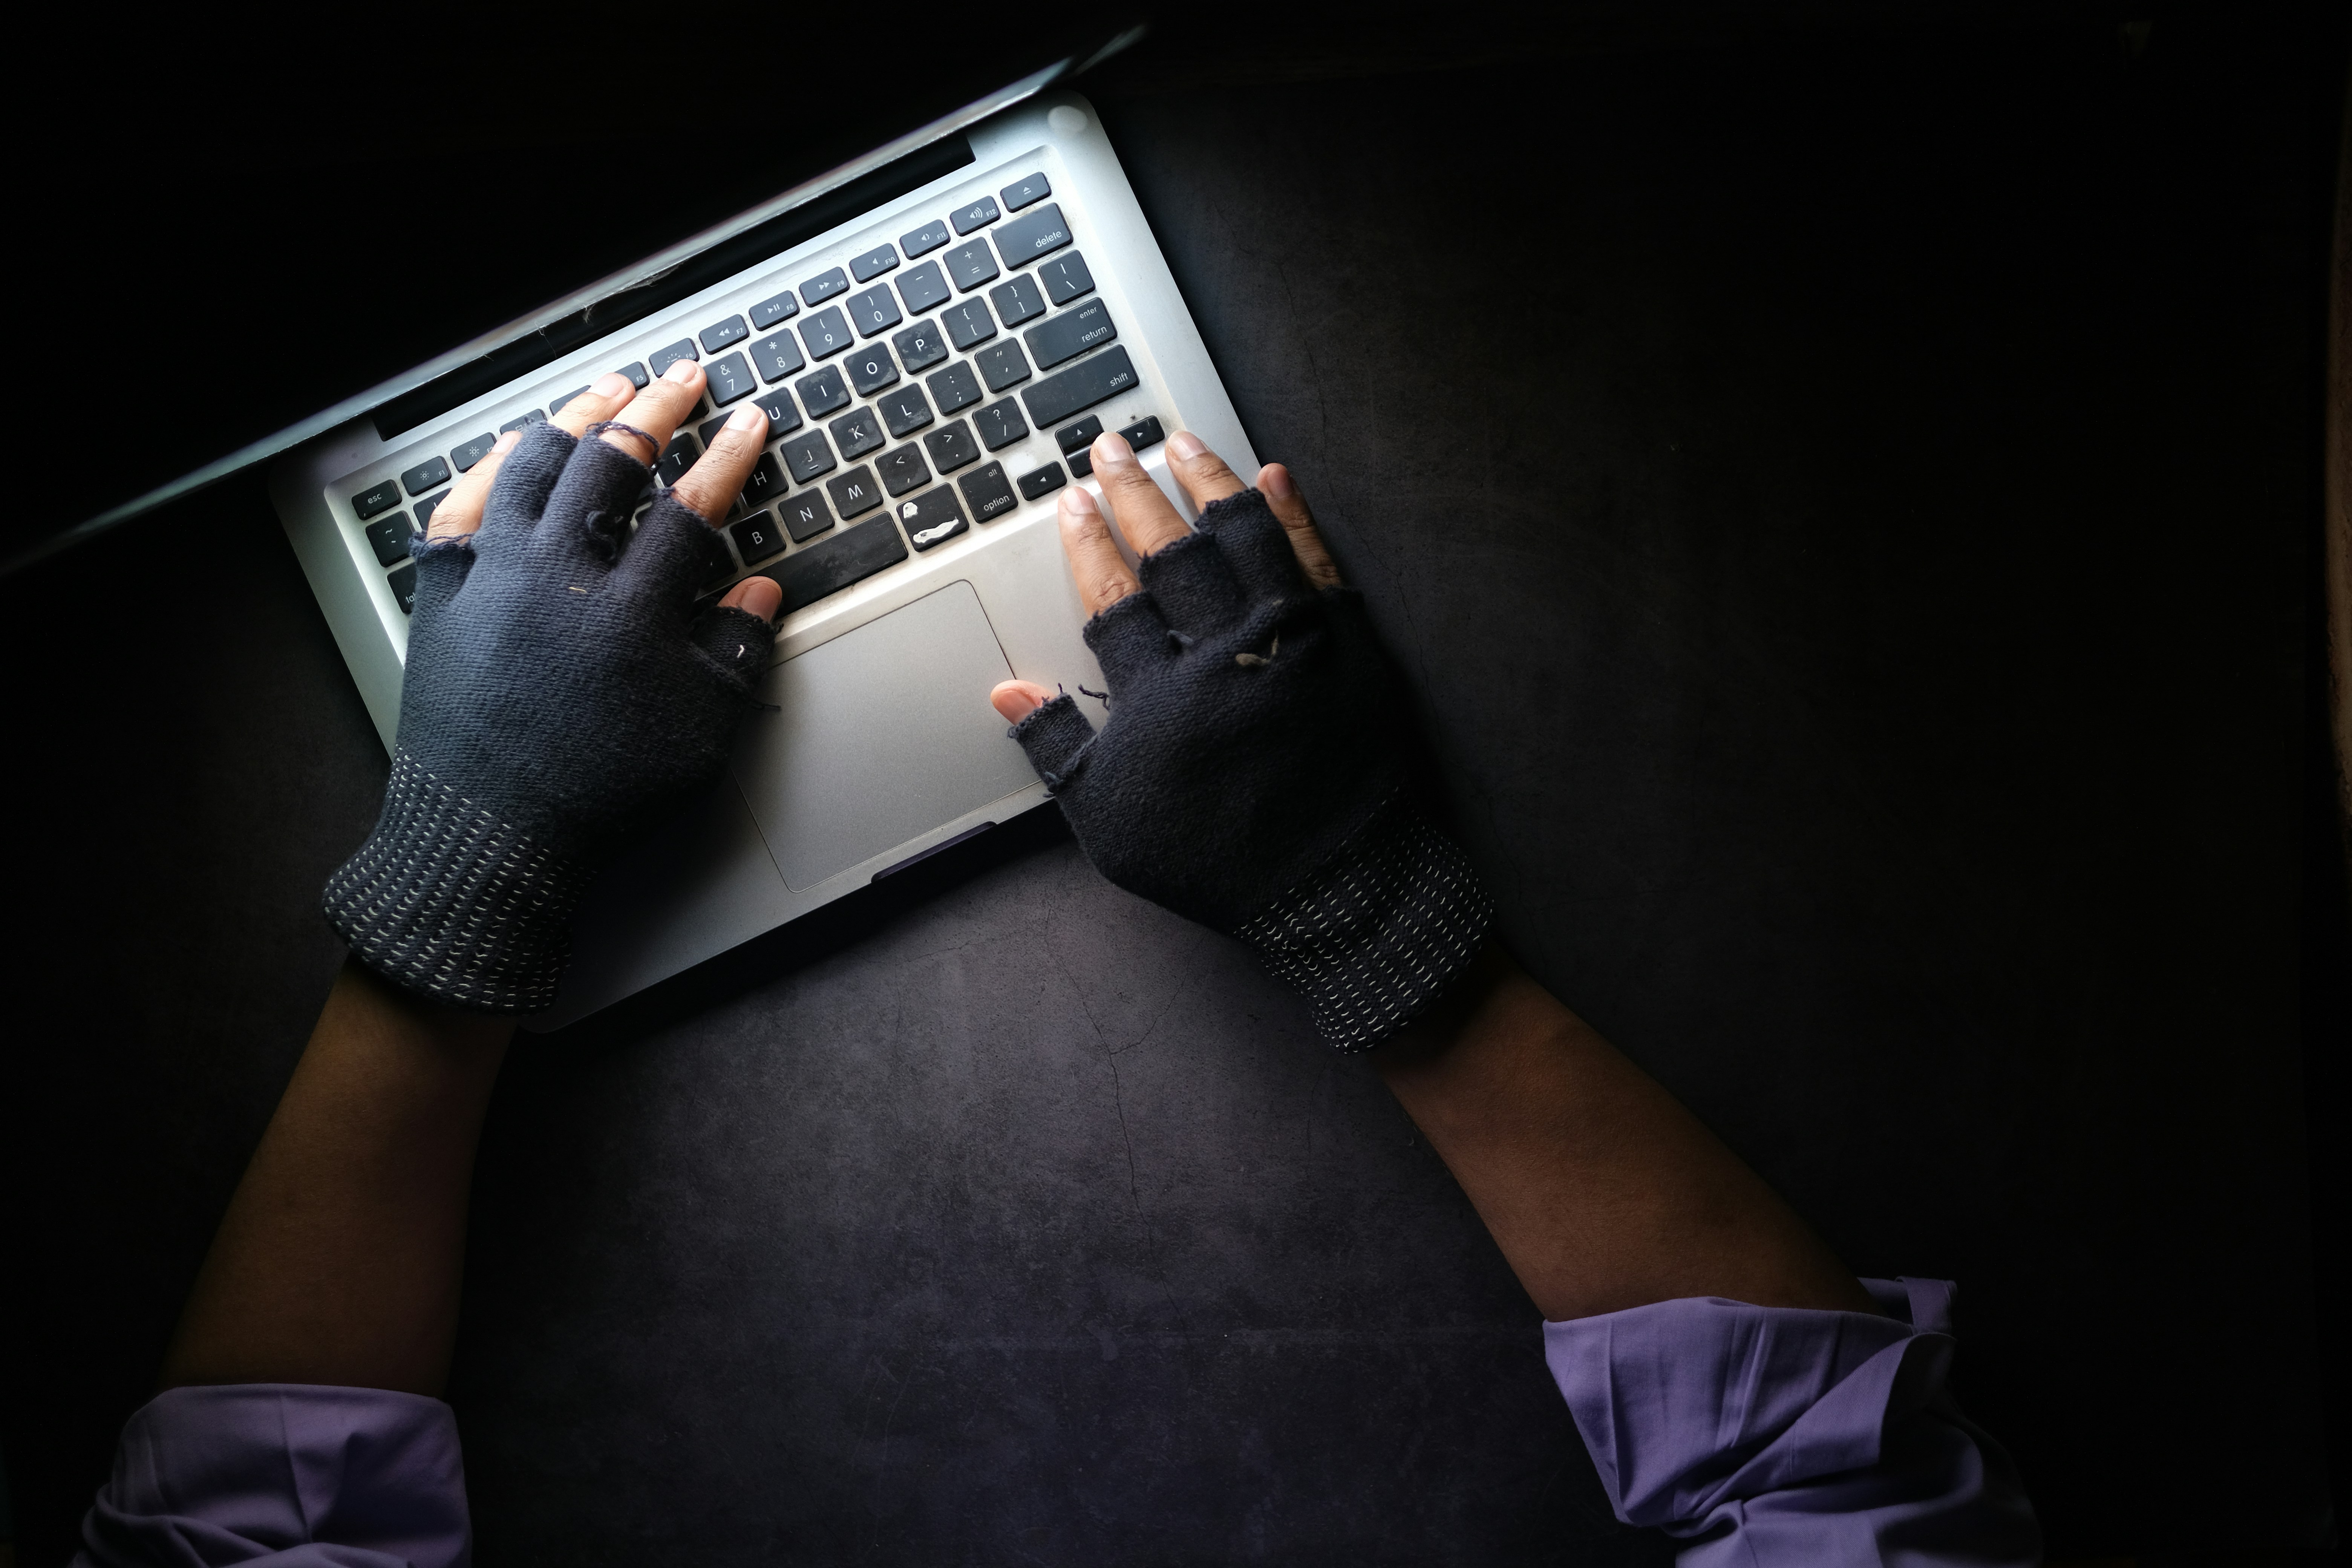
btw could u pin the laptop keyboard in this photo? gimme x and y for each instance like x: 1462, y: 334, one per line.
x: 890, y: 382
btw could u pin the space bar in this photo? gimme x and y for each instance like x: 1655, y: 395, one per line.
x: 854, y: 553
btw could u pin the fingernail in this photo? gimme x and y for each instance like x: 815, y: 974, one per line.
x: 745, y: 417
x: 682, y: 371
x: 1079, y: 501
x: 612, y: 384
x: 505, y: 443
x: 1274, y: 482
x: 1110, y: 447
x: 1184, y: 446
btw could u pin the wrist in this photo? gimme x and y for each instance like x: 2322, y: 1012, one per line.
x: 1381, y: 932
x: 452, y: 902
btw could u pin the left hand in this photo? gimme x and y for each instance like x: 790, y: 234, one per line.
x: 562, y: 691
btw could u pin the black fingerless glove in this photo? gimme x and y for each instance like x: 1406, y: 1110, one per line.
x: 562, y: 691
x: 1251, y: 776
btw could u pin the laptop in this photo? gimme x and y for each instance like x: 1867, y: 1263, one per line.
x: 937, y: 334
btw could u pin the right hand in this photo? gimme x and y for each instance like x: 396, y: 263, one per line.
x: 1253, y: 724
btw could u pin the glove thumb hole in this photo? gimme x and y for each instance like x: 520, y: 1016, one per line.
x: 1053, y: 738
x: 737, y: 641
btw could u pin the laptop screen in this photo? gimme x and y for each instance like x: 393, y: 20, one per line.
x: 399, y: 293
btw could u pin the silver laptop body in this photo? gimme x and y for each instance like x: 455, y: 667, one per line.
x: 880, y: 746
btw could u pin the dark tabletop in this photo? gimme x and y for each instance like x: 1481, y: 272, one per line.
x: 1846, y: 505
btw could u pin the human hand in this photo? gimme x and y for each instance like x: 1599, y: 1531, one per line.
x: 1250, y: 774
x: 563, y: 690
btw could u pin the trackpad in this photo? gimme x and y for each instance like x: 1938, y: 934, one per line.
x: 879, y: 735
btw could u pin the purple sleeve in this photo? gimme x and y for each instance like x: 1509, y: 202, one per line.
x: 1765, y: 1436
x: 283, y: 1475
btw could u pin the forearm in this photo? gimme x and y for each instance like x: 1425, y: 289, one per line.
x: 1601, y: 1190
x: 340, y: 1256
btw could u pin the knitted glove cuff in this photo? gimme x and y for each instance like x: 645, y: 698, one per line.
x: 1378, y: 933
x: 448, y: 900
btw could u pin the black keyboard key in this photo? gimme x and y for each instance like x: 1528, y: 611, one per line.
x: 757, y: 538
x: 720, y: 334
x: 971, y: 265
x: 932, y: 519
x: 1000, y: 423
x: 1076, y: 438
x: 923, y: 287
x: 904, y: 410
x: 951, y: 448
x: 1070, y: 334
x: 676, y: 459
x: 523, y: 421
x: 403, y: 588
x: 661, y: 360
x: 561, y: 404
x: 639, y: 376
x: 389, y: 535
x: 825, y: 286
x: 871, y: 369
x: 854, y: 492
x: 823, y: 391
x: 427, y: 508
x: 375, y: 499
x: 806, y: 516
x: 429, y: 475
x: 730, y: 379
x: 766, y: 483
x: 1027, y: 238
x: 987, y: 492
x: 875, y: 310
x: 1022, y: 192
x: 469, y: 453
x: 1043, y: 482
x: 777, y: 357
x: 1002, y: 365
x: 857, y: 432
x: 1082, y: 463
x: 768, y: 313
x: 781, y: 414
x: 903, y: 470
x: 1083, y: 386
x: 1065, y: 278
x: 1144, y: 432
x: 954, y: 388
x: 827, y: 332
x: 924, y: 240
x: 857, y: 553
x: 873, y: 263
x: 968, y: 323
x: 982, y: 211
x: 806, y: 455
x: 920, y: 346
x: 1017, y: 301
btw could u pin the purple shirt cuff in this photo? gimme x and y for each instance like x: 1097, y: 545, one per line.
x: 1770, y: 1436
x: 283, y: 1475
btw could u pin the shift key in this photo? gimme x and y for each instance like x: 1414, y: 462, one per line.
x: 853, y: 554
x: 1083, y: 386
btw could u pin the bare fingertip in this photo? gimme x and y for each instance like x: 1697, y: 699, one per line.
x: 759, y: 597
x: 505, y: 444
x: 1079, y: 501
x: 1017, y: 700
x: 612, y: 384
x: 1184, y: 446
x: 1273, y: 481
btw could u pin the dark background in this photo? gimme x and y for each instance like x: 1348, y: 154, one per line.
x: 1846, y: 501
